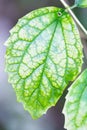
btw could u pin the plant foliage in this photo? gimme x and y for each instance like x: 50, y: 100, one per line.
x: 44, y: 53
x: 81, y: 3
x: 75, y: 108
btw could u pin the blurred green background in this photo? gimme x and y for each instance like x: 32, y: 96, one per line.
x: 12, y: 114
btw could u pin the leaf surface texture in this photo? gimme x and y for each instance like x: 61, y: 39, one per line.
x: 75, y: 108
x: 44, y: 53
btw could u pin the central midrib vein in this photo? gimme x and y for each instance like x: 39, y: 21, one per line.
x: 41, y: 77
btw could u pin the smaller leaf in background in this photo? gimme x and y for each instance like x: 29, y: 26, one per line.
x: 75, y: 108
x: 81, y: 3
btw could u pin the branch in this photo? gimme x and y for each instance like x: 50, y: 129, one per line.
x: 73, y: 15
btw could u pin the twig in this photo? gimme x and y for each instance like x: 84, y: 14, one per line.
x: 73, y: 15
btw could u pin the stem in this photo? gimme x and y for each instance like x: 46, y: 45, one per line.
x: 74, y: 6
x: 73, y: 15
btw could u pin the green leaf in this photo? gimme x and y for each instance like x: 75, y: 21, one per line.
x: 75, y: 108
x: 81, y: 3
x: 44, y: 53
